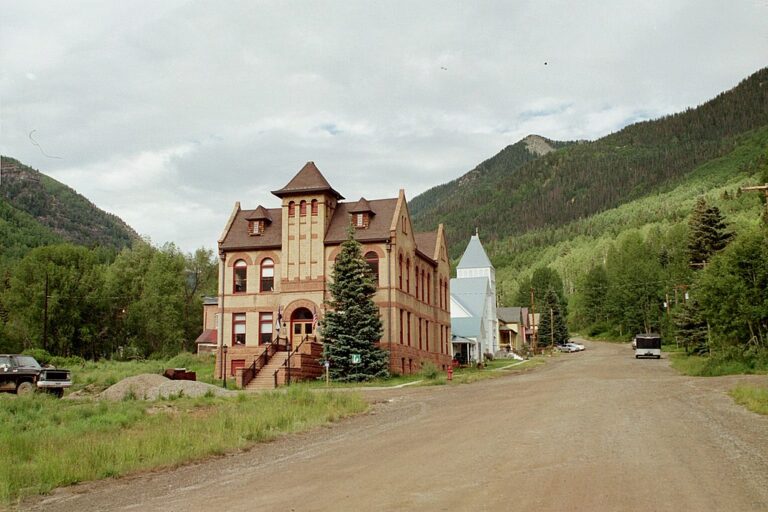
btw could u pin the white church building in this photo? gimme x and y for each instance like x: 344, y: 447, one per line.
x: 474, y: 324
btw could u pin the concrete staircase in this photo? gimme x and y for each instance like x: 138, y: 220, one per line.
x: 265, y: 379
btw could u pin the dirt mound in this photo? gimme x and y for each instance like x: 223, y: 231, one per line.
x: 150, y: 386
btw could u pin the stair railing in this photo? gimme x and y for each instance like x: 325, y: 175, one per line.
x: 286, y: 366
x: 260, y: 362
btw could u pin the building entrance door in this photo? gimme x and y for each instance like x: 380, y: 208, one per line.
x: 301, y: 326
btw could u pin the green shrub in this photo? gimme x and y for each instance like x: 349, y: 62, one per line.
x: 184, y: 360
x: 429, y: 370
x: 42, y: 356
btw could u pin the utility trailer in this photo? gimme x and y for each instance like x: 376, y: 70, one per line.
x: 648, y: 345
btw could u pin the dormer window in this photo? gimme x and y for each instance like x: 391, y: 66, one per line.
x: 258, y: 220
x: 361, y: 214
x: 256, y: 227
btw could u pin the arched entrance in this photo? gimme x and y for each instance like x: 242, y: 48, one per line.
x: 302, y: 324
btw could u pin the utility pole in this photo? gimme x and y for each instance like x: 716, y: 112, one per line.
x: 533, y: 323
x: 45, y: 315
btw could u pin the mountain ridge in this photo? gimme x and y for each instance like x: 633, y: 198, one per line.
x: 39, y: 210
x: 581, y: 179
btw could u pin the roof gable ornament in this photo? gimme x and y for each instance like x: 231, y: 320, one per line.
x: 260, y: 213
x: 307, y: 181
x: 475, y: 256
x: 362, y: 206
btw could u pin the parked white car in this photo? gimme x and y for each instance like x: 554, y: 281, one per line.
x: 577, y: 345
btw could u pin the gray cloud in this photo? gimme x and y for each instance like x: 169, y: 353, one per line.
x: 166, y: 114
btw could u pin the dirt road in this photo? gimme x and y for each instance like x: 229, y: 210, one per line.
x: 592, y: 431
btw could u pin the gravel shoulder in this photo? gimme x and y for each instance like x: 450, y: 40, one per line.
x: 596, y: 430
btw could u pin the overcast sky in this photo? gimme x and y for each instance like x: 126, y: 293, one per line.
x: 166, y: 113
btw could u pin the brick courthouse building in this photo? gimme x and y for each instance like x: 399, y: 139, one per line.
x: 273, y: 272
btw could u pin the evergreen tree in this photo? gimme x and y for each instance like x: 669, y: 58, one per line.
x: 542, y: 280
x: 594, y: 291
x: 691, y: 327
x: 552, y: 326
x: 707, y: 233
x: 352, y: 327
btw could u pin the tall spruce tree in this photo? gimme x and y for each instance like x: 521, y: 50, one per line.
x: 707, y: 233
x: 691, y: 327
x: 552, y: 327
x: 352, y: 327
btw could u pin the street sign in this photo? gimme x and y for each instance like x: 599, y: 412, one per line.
x: 356, y: 359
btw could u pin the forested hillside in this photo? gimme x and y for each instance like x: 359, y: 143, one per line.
x: 75, y: 280
x: 583, y: 179
x: 37, y: 210
x: 690, y: 263
x: 482, y: 181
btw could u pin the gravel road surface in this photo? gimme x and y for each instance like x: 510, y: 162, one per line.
x: 591, y: 431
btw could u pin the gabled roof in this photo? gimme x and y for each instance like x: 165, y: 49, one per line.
x: 510, y: 315
x: 238, y: 237
x: 260, y: 213
x: 466, y: 327
x: 378, y: 227
x: 308, y: 180
x: 474, y: 256
x: 208, y: 336
x: 361, y: 206
x: 426, y: 243
x: 471, y: 293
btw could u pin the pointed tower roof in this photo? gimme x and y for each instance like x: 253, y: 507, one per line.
x: 308, y: 180
x: 475, y: 256
x: 361, y: 206
x: 260, y: 213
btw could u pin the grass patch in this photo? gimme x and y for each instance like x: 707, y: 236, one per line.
x: 703, y: 366
x: 754, y: 398
x: 99, y: 375
x: 493, y: 369
x: 50, y: 443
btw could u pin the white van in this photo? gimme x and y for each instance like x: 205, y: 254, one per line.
x: 648, y: 345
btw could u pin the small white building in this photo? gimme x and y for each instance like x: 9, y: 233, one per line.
x: 474, y: 323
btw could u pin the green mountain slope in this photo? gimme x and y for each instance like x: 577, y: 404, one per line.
x: 37, y: 210
x: 583, y: 179
x: 572, y: 249
x: 482, y: 181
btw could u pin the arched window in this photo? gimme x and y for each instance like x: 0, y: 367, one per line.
x: 314, y: 207
x: 400, y: 273
x: 417, y: 281
x: 373, y: 262
x: 423, y: 284
x: 303, y: 208
x: 291, y: 209
x: 240, y: 281
x: 429, y: 288
x: 267, y: 275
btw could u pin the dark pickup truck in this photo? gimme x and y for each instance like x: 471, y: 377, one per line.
x: 23, y: 375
